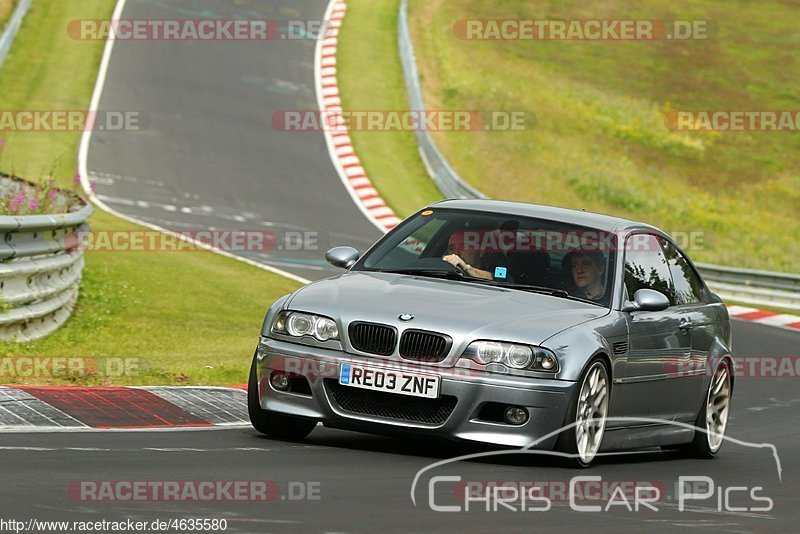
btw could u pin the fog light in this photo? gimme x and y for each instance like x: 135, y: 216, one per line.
x: 514, y: 415
x: 279, y: 381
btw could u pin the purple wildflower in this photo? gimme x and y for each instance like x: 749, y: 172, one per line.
x: 16, y: 201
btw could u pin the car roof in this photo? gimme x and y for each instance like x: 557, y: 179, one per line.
x: 597, y: 221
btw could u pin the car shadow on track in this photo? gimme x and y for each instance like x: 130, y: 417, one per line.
x: 441, y: 449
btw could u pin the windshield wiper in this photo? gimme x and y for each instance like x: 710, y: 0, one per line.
x: 523, y: 287
x: 433, y: 273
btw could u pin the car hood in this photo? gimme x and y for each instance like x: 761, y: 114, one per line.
x: 464, y: 310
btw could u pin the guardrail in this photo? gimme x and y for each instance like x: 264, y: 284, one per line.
x: 40, y: 270
x: 10, y: 32
x: 759, y: 288
x: 447, y: 180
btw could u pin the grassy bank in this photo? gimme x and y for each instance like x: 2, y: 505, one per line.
x: 182, y: 317
x: 371, y: 78
x: 6, y: 9
x: 601, y: 142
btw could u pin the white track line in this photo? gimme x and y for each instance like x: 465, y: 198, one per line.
x: 71, y: 430
x: 83, y: 170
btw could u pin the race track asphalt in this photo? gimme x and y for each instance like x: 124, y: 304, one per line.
x: 364, y: 481
x: 205, y: 153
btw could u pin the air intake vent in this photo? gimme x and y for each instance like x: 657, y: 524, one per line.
x: 391, y: 405
x: 620, y: 347
x: 373, y: 338
x: 426, y: 347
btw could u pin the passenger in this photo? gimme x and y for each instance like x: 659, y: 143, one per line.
x: 588, y: 268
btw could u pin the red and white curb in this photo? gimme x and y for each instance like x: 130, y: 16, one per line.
x: 764, y: 317
x: 340, y: 146
x: 55, y: 408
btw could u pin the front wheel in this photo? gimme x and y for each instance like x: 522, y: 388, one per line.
x: 712, y: 421
x: 273, y: 424
x: 586, y: 417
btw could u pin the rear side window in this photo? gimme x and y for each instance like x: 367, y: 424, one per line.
x: 688, y: 287
x: 646, y: 267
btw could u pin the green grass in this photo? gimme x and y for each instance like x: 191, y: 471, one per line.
x: 371, y: 78
x: 6, y: 10
x: 184, y: 317
x: 601, y: 142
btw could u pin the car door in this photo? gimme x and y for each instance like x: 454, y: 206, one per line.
x: 656, y: 340
x: 697, y: 320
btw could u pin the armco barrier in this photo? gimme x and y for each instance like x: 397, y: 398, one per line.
x: 760, y: 288
x: 39, y: 276
x: 11, y: 29
x: 447, y: 180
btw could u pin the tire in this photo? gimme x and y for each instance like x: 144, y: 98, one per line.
x: 273, y: 424
x: 709, y: 437
x: 582, y: 454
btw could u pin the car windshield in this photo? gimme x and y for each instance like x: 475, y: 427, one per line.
x: 517, y: 252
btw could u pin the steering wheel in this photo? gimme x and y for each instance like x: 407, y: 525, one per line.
x: 450, y: 267
x: 438, y: 264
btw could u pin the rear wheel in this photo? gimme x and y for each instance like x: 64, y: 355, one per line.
x: 587, y: 416
x: 273, y: 424
x: 712, y: 421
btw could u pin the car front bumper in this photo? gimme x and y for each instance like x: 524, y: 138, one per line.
x: 546, y: 400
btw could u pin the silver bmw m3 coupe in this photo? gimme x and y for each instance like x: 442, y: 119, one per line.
x: 504, y: 323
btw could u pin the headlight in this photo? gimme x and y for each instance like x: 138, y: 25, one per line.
x: 512, y: 355
x: 325, y: 329
x: 297, y: 324
x: 300, y: 324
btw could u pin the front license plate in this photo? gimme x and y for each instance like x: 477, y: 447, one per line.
x: 412, y: 384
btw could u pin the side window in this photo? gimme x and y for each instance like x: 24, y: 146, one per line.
x: 688, y: 287
x: 646, y: 267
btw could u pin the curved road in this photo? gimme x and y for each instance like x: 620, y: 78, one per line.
x: 206, y: 154
x: 209, y: 158
x: 363, y: 481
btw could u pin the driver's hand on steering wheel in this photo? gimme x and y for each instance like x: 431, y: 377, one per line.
x: 456, y: 261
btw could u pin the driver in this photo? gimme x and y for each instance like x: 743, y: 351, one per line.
x: 467, y: 259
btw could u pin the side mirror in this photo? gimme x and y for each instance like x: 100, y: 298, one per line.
x: 647, y: 300
x: 344, y: 257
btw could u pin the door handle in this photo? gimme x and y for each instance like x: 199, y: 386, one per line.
x: 685, y: 325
